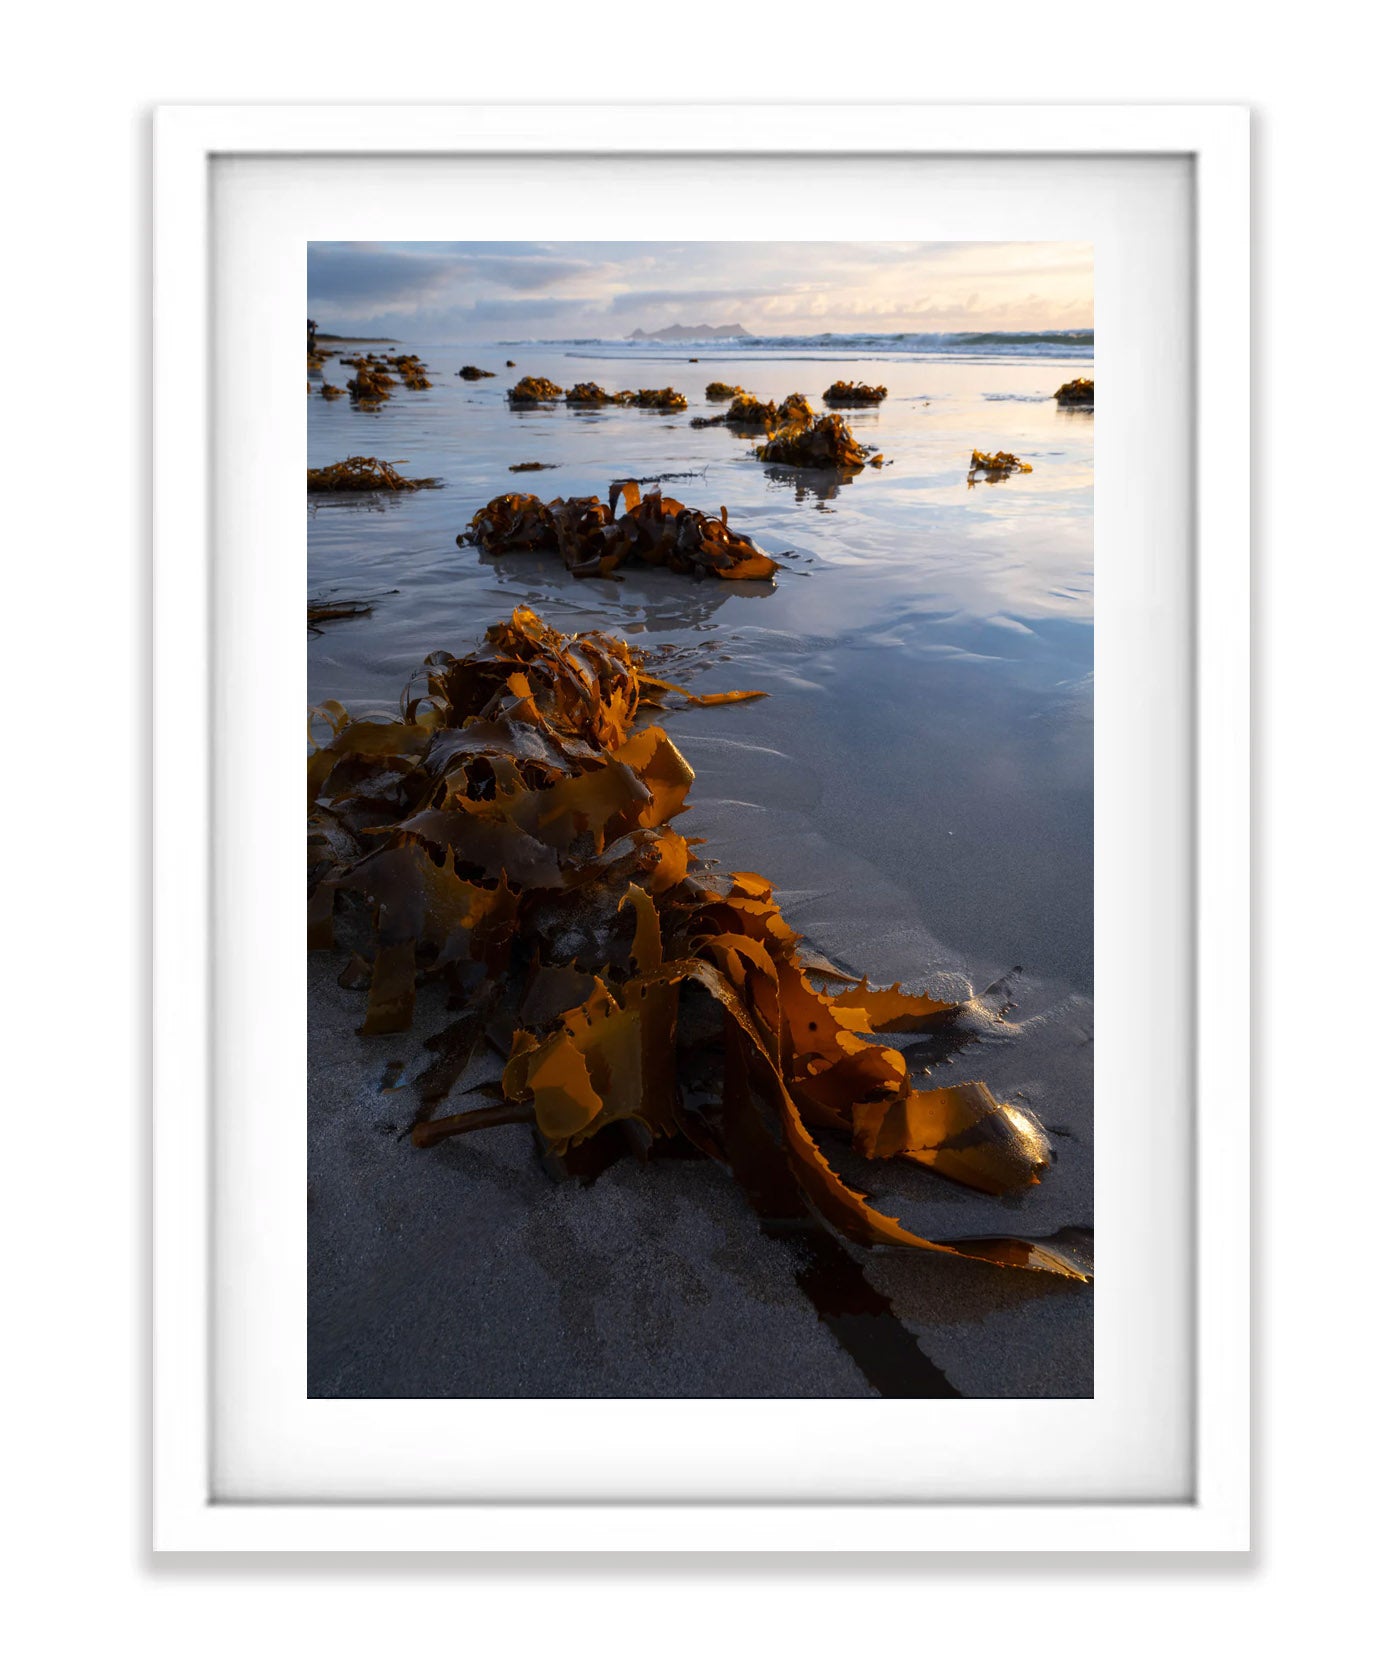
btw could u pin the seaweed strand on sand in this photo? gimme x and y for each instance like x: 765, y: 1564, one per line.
x: 511, y: 833
x: 363, y: 474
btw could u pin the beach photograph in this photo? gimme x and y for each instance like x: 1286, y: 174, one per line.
x: 700, y: 976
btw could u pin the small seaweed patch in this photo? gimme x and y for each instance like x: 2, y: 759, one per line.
x: 996, y: 467
x: 473, y: 373
x: 845, y: 395
x: 363, y: 474
x: 1077, y: 393
x: 511, y: 834
x: 533, y: 466
x: 666, y: 398
x: 594, y: 539
x: 533, y: 389
x: 331, y: 392
x: 717, y: 390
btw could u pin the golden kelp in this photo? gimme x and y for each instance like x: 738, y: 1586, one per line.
x: 996, y: 467
x: 594, y: 540
x: 533, y: 466
x: 330, y: 392
x: 363, y: 473
x: 1078, y: 393
x: 795, y: 410
x: 844, y: 395
x: 747, y: 410
x: 511, y: 834
x: 827, y: 442
x: 532, y: 389
x: 716, y: 391
x: 471, y: 373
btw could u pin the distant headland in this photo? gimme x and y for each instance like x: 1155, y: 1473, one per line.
x: 689, y: 335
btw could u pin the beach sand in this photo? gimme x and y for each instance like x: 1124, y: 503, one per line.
x: 918, y: 786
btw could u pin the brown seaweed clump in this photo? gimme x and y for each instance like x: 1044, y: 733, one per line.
x: 588, y: 395
x: 362, y: 473
x: 370, y: 384
x: 1077, y: 393
x: 594, y: 539
x: 827, y: 442
x: 795, y: 410
x: 533, y: 389
x: 412, y: 372
x: 844, y: 395
x: 717, y: 391
x: 532, y: 466
x: 471, y: 373
x: 667, y: 398
x: 511, y: 835
x: 330, y: 392
x: 510, y: 364
x: 996, y: 467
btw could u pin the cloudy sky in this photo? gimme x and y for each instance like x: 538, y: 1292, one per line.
x: 486, y: 291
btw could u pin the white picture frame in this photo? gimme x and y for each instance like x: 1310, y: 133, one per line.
x: 187, y: 1512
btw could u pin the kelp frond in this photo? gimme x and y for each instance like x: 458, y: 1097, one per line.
x: 1078, y: 393
x: 512, y: 835
x: 473, y: 373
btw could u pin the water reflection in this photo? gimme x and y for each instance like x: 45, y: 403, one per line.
x: 817, y: 484
x: 653, y: 600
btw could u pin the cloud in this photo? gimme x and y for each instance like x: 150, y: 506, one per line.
x: 455, y: 290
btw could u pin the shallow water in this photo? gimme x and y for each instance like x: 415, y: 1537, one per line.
x: 919, y: 783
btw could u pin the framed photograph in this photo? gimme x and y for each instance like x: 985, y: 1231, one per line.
x: 688, y: 1001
